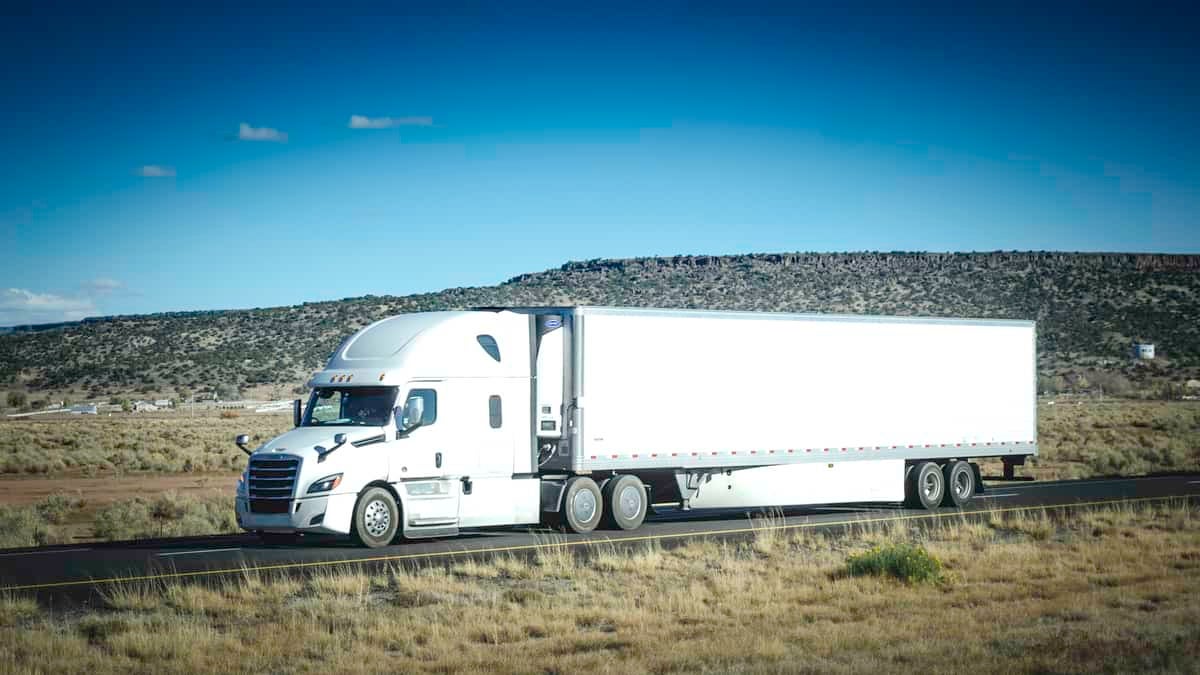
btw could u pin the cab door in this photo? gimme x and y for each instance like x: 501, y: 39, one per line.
x: 498, y: 411
x: 422, y: 463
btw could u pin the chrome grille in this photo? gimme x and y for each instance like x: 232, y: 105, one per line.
x: 273, y: 477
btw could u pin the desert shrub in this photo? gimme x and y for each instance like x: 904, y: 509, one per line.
x: 55, y: 508
x: 21, y: 526
x: 906, y: 562
x: 166, y: 515
x: 229, y: 414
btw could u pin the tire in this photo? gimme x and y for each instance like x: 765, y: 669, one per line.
x: 376, y: 518
x: 582, y: 505
x: 925, y: 487
x: 279, y: 538
x: 625, y: 502
x: 960, y: 484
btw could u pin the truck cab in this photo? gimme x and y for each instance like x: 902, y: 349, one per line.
x: 419, y: 424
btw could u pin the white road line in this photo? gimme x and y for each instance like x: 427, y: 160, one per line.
x: 1083, y: 482
x: 988, y: 495
x: 207, y: 550
x: 1194, y: 482
x: 61, y: 550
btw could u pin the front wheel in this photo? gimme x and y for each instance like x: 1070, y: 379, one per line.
x: 376, y: 518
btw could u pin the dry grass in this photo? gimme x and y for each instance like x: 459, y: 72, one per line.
x: 86, y: 445
x: 1113, y: 590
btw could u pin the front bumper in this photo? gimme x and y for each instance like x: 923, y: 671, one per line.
x: 326, y: 514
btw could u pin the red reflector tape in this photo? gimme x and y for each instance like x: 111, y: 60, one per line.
x: 634, y: 456
x: 614, y: 456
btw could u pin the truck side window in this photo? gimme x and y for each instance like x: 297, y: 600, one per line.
x: 494, y: 418
x: 489, y: 345
x: 430, y: 396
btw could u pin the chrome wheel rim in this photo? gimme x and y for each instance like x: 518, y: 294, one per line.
x: 929, y: 486
x: 583, y: 506
x: 377, y: 517
x: 962, y: 484
x: 629, y: 503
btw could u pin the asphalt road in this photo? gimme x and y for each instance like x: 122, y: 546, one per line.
x: 79, y: 571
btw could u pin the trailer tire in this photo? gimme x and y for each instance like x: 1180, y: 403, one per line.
x: 925, y: 487
x: 625, y: 502
x: 376, y: 518
x: 960, y: 483
x: 582, y: 505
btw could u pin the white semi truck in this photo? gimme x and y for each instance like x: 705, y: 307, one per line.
x: 423, y: 424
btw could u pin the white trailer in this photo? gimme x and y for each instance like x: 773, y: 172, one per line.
x: 422, y: 424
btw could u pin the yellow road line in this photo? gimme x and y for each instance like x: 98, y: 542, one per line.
x: 584, y: 542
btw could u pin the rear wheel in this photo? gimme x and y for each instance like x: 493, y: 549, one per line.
x: 582, y: 505
x: 376, y: 518
x: 925, y: 487
x: 960, y: 483
x: 625, y: 502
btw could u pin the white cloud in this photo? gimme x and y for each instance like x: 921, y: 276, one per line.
x: 249, y: 133
x: 102, y: 286
x: 156, y: 171
x: 19, y: 306
x: 364, y: 122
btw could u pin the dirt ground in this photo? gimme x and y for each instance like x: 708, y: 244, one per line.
x: 21, y: 490
x: 102, y: 491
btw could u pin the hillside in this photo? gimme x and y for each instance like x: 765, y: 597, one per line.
x: 1089, y: 308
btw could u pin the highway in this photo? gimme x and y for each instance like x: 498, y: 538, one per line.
x: 79, y: 571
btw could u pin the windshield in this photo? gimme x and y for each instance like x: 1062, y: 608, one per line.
x: 350, y: 406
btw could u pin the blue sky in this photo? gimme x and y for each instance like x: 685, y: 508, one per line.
x: 160, y: 159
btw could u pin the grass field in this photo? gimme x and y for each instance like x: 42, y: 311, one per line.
x: 1112, y: 590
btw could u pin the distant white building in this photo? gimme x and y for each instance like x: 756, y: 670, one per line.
x: 1143, y: 350
x: 144, y: 406
x: 84, y: 409
x: 163, y: 403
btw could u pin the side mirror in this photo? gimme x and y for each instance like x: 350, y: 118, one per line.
x: 242, y: 441
x: 296, y: 416
x: 338, y: 441
x: 410, y: 416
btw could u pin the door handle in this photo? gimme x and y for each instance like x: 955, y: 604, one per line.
x: 437, y: 459
x: 466, y: 485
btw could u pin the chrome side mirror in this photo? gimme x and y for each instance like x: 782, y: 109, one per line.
x: 242, y: 441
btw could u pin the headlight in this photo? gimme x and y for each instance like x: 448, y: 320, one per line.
x: 325, y: 484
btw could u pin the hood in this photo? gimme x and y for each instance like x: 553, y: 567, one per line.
x: 302, y: 441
